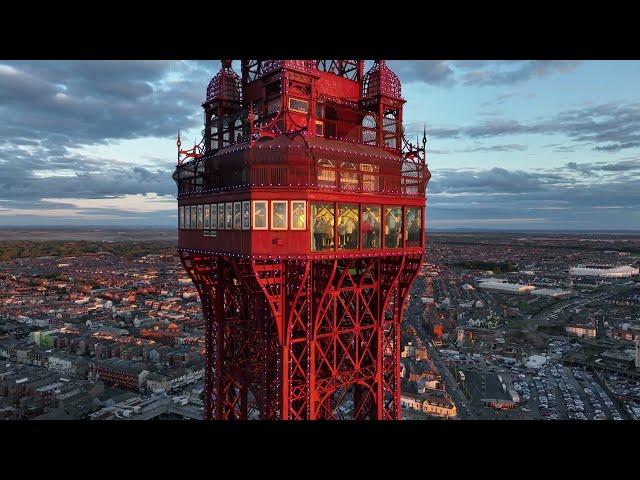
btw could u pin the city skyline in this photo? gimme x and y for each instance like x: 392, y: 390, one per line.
x: 549, y: 145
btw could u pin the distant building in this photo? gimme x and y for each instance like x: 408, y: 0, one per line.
x: 506, y: 287
x: 605, y: 271
x: 581, y: 330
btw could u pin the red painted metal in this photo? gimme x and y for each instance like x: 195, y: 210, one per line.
x: 294, y: 333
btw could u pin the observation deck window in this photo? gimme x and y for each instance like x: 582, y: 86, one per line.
x: 228, y: 216
x: 207, y: 217
x: 348, y: 226
x: 260, y: 215
x: 246, y: 215
x: 279, y: 215
x: 200, y: 211
x: 237, y: 215
x: 371, y: 226
x: 298, y: 215
x: 221, y: 216
x: 322, y: 231
x: 194, y: 217
x: 181, y: 217
x: 214, y: 217
x: 413, y: 231
x: 392, y: 226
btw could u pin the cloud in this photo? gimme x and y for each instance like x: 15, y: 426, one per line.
x: 433, y: 72
x: 512, y: 72
x: 611, y: 127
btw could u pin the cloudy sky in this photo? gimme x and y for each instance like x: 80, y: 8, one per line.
x: 551, y: 145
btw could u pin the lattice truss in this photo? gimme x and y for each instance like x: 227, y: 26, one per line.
x: 302, y: 339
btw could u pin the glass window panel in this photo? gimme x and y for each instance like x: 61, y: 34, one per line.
x: 298, y: 215
x: 371, y: 226
x: 322, y: 221
x: 260, y: 215
x: 200, y: 216
x: 181, y: 217
x: 246, y: 215
x: 392, y: 226
x: 348, y: 226
x: 194, y: 217
x: 221, y: 216
x: 228, y: 216
x: 413, y: 229
x: 214, y: 216
x: 207, y: 217
x: 298, y: 105
x: 187, y: 217
x: 279, y: 215
x: 237, y: 215
x: 348, y: 176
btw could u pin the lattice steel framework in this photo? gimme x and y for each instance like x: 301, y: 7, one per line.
x: 302, y: 339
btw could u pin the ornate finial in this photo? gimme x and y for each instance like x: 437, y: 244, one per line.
x: 178, y: 142
x: 226, y: 63
x: 424, y: 135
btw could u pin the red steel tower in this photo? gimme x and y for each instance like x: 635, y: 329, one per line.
x: 301, y: 223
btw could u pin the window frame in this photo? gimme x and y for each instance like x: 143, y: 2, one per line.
x: 213, y: 224
x: 221, y: 218
x: 286, y: 214
x: 253, y: 214
x: 228, y: 216
x: 246, y: 205
x: 294, y: 99
x: 199, y: 216
x: 181, y: 217
x: 304, y: 214
x: 237, y: 226
x: 206, y: 216
x: 194, y: 217
x: 384, y: 226
x: 363, y: 208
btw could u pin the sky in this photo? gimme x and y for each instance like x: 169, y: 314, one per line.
x: 512, y: 145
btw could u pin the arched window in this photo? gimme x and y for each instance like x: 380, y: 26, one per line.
x: 348, y: 176
x: 326, y: 173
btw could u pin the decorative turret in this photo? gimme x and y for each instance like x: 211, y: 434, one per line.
x: 225, y: 86
x: 380, y: 80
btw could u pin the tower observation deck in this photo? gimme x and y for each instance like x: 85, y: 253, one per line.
x: 301, y: 222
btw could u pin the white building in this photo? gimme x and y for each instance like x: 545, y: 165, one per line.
x: 506, y: 287
x: 605, y: 271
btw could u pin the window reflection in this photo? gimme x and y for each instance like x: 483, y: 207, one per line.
x: 413, y: 222
x: 298, y: 215
x: 237, y: 215
x: 260, y: 215
x: 371, y: 226
x: 279, y: 215
x: 221, y: 216
x: 246, y: 215
x: 392, y: 226
x: 228, y: 216
x: 207, y: 217
x: 348, y: 226
x: 214, y: 216
x: 194, y: 217
x: 322, y: 215
x: 200, y: 216
x: 181, y: 217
